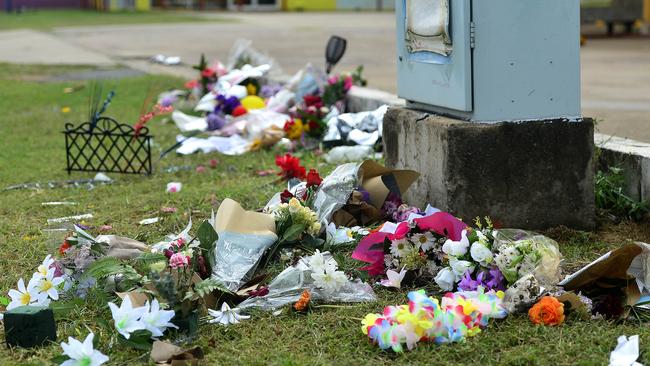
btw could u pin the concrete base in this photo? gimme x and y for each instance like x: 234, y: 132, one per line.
x: 633, y: 157
x: 531, y: 175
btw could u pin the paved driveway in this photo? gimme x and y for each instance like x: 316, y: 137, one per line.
x: 615, y: 72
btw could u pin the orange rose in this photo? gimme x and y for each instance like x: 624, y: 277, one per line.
x: 547, y: 311
x: 303, y: 302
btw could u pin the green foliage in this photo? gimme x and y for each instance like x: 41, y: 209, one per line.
x: 208, y: 286
x: 140, y: 340
x: 611, y: 197
x: 207, y: 238
x: 147, y: 259
x: 109, y: 266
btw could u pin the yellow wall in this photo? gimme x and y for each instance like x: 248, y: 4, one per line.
x: 310, y: 4
x: 646, y: 10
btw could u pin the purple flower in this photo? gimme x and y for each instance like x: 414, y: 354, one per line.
x: 468, y: 284
x: 226, y: 105
x: 215, y: 121
x: 269, y: 90
x: 168, y: 100
x: 497, y: 281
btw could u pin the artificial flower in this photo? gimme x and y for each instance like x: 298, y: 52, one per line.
x: 460, y: 266
x: 226, y: 316
x: 547, y: 311
x: 285, y: 196
x: 446, y: 279
x: 126, y: 318
x: 215, y: 121
x: 338, y: 236
x: 481, y: 254
x: 424, y: 241
x: 457, y: 248
x: 42, y: 270
x: 313, y: 178
x: 64, y: 247
x: 303, y: 302
x: 330, y: 280
x: 49, y: 284
x: 82, y: 354
x: 155, y: 320
x: 319, y: 264
x: 174, y: 187
x: 400, y: 247
x: 29, y: 295
x: 294, y: 128
x: 179, y: 260
x: 290, y: 167
x: 394, y: 279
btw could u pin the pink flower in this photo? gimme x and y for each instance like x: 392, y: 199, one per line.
x: 333, y: 80
x: 347, y: 83
x: 179, y: 260
x: 200, y: 169
x: 213, y: 163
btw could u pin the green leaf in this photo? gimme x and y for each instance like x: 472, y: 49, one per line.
x: 209, y: 285
x: 150, y: 258
x: 4, y: 301
x: 293, y: 232
x: 207, y: 236
x: 140, y: 339
x: 109, y: 266
x: 62, y: 309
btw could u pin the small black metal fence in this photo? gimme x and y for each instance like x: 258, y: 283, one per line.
x: 108, y: 146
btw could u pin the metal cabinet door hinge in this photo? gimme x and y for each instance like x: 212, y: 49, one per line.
x: 472, y: 35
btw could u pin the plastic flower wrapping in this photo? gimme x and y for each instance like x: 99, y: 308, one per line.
x: 452, y: 319
x: 434, y: 245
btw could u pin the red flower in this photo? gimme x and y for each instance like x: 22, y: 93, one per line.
x: 261, y: 291
x: 208, y: 73
x: 290, y: 167
x: 191, y: 84
x: 240, y: 110
x: 313, y: 178
x: 286, y: 196
x: 314, y: 126
x: 64, y: 247
x: 288, y: 125
x: 313, y: 101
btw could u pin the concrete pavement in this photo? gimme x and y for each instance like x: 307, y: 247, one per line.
x: 615, y: 72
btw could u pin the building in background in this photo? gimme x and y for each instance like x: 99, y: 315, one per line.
x: 307, y: 5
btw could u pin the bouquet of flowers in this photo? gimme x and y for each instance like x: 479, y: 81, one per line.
x: 439, y: 246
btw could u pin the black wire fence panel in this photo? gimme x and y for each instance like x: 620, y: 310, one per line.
x: 107, y: 146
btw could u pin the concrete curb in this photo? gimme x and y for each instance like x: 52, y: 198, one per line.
x: 633, y: 156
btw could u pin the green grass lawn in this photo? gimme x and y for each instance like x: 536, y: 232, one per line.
x: 48, y: 19
x: 31, y: 122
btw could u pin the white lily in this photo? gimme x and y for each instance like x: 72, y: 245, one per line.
x: 82, y: 354
x: 338, y: 236
x: 49, y: 284
x: 127, y: 318
x: 27, y: 295
x: 157, y: 321
x: 226, y: 316
x: 45, y: 266
x: 394, y: 279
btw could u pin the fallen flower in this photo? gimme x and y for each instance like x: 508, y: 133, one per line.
x: 226, y: 316
x: 82, y: 354
x: 127, y: 318
x: 174, y: 187
x: 547, y: 311
x: 155, y: 320
x: 394, y: 279
x: 331, y: 280
x: 626, y: 352
x: 49, y: 284
x: 303, y: 302
x: 169, y: 209
x: 105, y: 228
x: 290, y: 167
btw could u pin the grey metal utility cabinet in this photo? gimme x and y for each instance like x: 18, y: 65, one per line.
x: 490, y: 60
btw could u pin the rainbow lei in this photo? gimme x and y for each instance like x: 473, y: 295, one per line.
x: 457, y: 316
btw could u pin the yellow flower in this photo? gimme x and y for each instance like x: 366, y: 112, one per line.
x: 295, y: 131
x: 256, y: 145
x: 251, y: 89
x: 65, y: 110
x: 368, y: 321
